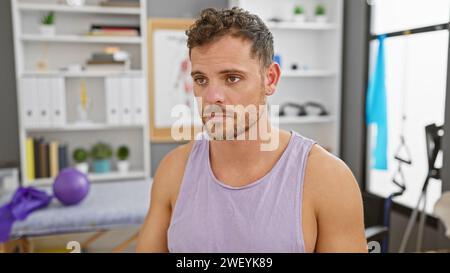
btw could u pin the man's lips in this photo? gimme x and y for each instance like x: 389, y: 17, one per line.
x: 216, y: 116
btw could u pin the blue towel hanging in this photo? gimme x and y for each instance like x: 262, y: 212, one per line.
x: 376, y: 109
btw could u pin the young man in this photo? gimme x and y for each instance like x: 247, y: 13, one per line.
x: 222, y: 195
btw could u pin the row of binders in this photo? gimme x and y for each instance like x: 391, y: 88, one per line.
x: 44, y: 101
x: 44, y: 158
x: 125, y: 100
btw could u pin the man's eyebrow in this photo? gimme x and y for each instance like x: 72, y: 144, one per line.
x: 196, y: 72
x: 226, y: 71
x: 231, y: 71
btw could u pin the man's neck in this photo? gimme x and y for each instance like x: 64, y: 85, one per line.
x: 246, y: 152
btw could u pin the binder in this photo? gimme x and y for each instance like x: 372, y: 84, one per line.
x: 112, y: 100
x: 54, y: 162
x: 125, y: 100
x: 29, y: 107
x: 58, y: 102
x: 44, y: 102
x: 30, y: 159
x: 139, y: 100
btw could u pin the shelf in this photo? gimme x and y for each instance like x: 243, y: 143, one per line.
x: 301, y: 26
x: 307, y: 73
x: 306, y: 120
x: 80, y: 39
x: 94, y: 177
x: 83, y: 9
x: 84, y: 127
x: 82, y: 74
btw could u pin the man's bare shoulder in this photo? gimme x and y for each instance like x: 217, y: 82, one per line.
x: 173, y: 164
x: 328, y: 178
x: 170, y: 171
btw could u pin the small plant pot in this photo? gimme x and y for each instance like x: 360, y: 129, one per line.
x: 82, y: 167
x: 47, y: 30
x: 300, y: 18
x: 102, y: 166
x: 123, y: 166
x: 321, y: 19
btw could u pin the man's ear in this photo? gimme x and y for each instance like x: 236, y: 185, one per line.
x: 273, y: 73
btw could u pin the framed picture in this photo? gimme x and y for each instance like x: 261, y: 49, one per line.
x: 170, y: 85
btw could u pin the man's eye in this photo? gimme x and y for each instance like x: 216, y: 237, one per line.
x: 233, y: 79
x: 200, y: 81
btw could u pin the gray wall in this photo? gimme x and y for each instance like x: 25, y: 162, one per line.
x: 9, y: 143
x: 353, y: 87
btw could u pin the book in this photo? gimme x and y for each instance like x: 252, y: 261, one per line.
x: 63, y: 161
x: 54, y: 164
x: 30, y: 158
x: 122, y: 3
x: 43, y: 159
x: 106, y: 66
x: 95, y: 62
x: 37, y: 157
x: 103, y: 57
x: 112, y: 32
x: 129, y: 28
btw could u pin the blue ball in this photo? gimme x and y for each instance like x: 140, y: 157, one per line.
x: 71, y: 186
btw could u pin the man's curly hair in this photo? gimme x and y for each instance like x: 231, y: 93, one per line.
x: 213, y: 24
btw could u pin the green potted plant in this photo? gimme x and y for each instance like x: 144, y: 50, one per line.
x: 320, y: 14
x: 48, y: 24
x: 299, y: 14
x: 80, y: 156
x: 101, y: 154
x: 122, y: 155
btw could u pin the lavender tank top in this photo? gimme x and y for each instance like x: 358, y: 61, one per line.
x: 263, y: 216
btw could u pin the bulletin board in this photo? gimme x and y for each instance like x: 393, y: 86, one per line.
x: 170, y: 82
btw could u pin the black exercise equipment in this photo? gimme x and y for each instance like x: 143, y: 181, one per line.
x: 302, y: 109
x: 433, y: 137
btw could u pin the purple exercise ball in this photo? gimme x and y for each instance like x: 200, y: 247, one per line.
x: 71, y: 186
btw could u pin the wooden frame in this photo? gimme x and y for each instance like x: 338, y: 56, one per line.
x: 160, y: 134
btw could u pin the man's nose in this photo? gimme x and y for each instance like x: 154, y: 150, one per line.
x: 214, y: 94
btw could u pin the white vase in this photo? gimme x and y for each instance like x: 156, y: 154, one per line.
x: 82, y: 167
x: 47, y: 30
x: 300, y: 18
x: 322, y: 19
x: 123, y: 166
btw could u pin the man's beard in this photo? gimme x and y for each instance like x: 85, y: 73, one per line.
x: 242, y: 122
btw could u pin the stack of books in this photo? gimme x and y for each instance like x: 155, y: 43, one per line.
x: 45, y: 159
x: 111, y: 59
x: 114, y: 30
x: 120, y: 3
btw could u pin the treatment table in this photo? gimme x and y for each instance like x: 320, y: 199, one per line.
x: 108, y: 205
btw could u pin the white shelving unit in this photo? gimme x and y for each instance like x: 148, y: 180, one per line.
x: 92, y: 8
x: 72, y: 45
x: 82, y: 74
x: 316, y: 49
x: 80, y: 39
